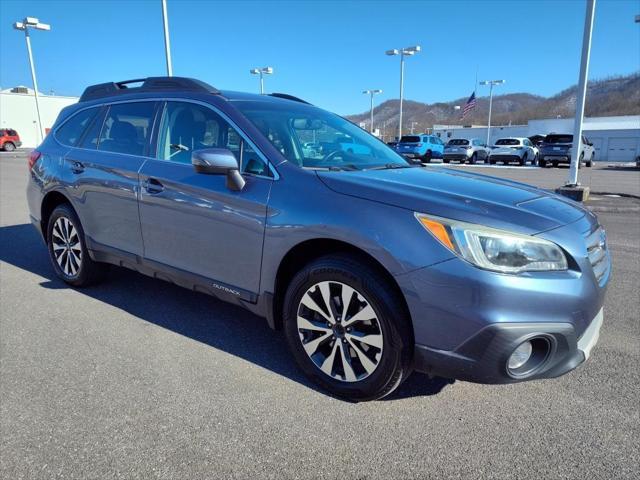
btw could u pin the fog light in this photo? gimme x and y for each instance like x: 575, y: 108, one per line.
x: 520, y: 355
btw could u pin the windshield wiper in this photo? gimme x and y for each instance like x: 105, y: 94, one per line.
x: 349, y: 167
x: 390, y: 166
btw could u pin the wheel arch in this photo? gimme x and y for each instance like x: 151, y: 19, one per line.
x: 49, y: 203
x: 312, y: 249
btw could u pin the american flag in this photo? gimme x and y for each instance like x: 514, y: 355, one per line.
x: 470, y: 105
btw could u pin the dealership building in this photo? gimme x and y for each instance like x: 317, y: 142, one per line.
x: 616, y: 139
x: 18, y: 111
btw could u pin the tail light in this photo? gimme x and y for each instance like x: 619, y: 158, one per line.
x: 34, y: 156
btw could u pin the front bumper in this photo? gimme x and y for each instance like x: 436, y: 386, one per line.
x: 484, y: 357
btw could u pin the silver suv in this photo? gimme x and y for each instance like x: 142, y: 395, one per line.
x: 464, y: 150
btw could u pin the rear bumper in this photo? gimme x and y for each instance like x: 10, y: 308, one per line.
x: 555, y: 158
x: 459, y: 157
x: 483, y: 358
x: 504, y: 158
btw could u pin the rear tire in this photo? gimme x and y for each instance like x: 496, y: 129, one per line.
x: 523, y: 160
x: 337, y: 361
x: 542, y: 163
x: 473, y: 159
x: 67, y: 249
x: 555, y: 164
x: 427, y: 157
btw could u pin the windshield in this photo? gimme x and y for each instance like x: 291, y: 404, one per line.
x: 314, y: 138
x: 458, y: 141
x: 559, y: 139
x: 410, y: 139
x: 508, y: 141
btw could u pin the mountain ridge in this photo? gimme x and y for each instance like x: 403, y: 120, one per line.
x: 612, y: 96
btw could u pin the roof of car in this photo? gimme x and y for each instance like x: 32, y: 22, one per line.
x: 174, y: 85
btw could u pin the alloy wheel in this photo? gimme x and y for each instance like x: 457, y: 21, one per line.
x: 339, y: 331
x: 67, y: 249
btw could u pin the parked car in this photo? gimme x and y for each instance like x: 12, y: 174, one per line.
x: 537, y: 139
x: 9, y: 139
x: 556, y: 149
x: 371, y: 266
x: 464, y: 150
x: 513, y: 149
x: 420, y: 147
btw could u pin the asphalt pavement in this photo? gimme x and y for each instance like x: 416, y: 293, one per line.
x: 137, y: 378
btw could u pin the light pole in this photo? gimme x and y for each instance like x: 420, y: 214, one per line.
x: 167, y: 44
x: 261, y: 71
x: 25, y: 25
x: 581, y: 94
x: 491, y: 83
x: 404, y: 52
x: 371, y: 93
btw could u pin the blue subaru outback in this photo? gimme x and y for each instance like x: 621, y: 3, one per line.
x: 371, y: 266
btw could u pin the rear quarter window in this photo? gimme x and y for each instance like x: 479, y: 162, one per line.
x: 71, y: 131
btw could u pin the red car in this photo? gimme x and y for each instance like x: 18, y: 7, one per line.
x: 9, y: 139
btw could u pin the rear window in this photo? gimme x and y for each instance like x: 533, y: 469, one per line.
x: 508, y: 141
x: 71, y: 131
x: 410, y: 139
x: 458, y: 141
x: 559, y: 139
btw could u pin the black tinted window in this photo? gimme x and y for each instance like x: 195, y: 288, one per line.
x: 127, y: 128
x: 72, y: 129
x: 508, y: 141
x: 410, y: 139
x: 558, y: 139
x: 458, y: 141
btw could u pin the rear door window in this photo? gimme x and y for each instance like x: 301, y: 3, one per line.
x: 127, y: 128
x: 71, y: 131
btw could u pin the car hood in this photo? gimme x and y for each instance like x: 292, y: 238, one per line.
x: 458, y: 195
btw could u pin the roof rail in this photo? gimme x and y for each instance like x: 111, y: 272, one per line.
x: 286, y: 96
x: 150, y: 84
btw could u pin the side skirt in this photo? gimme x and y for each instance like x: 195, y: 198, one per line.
x: 220, y: 290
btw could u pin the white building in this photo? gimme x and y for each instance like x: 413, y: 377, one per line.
x: 18, y: 111
x: 616, y: 139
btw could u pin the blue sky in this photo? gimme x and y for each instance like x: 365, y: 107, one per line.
x: 324, y: 51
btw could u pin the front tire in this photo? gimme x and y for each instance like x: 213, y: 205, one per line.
x: 473, y: 159
x: 348, y: 329
x: 8, y: 147
x: 67, y: 249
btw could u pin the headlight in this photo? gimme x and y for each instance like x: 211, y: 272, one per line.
x: 494, y: 249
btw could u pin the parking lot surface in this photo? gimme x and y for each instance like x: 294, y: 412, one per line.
x: 137, y: 378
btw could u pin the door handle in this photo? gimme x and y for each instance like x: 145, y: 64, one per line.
x: 153, y: 186
x: 77, y: 167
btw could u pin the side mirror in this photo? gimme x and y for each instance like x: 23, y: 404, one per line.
x: 219, y: 161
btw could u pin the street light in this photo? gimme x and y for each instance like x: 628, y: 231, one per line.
x: 371, y: 93
x: 261, y: 71
x: 405, y: 52
x: 25, y: 25
x: 167, y: 44
x: 491, y: 83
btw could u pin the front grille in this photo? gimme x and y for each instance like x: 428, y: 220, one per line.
x: 598, y: 254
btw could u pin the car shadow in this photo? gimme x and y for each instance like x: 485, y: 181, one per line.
x: 195, y: 315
